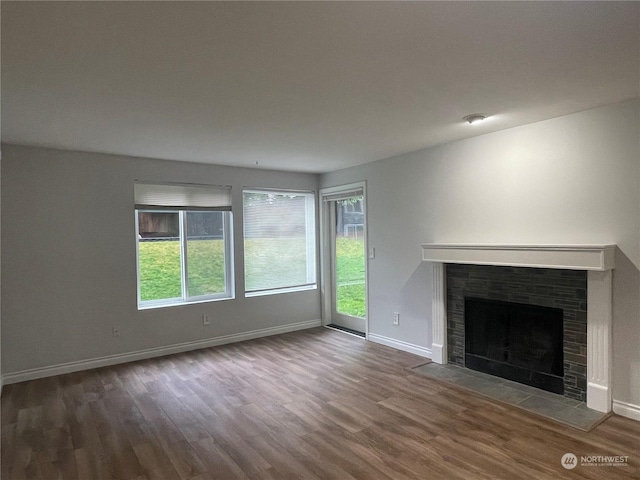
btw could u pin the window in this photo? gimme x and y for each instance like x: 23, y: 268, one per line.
x: 183, y: 244
x: 279, y: 241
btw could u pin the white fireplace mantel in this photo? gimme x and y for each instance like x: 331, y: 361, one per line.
x: 570, y: 257
x: 597, y: 260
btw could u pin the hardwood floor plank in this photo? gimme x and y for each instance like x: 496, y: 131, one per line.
x: 204, y: 476
x: 92, y: 463
x: 377, y: 464
x: 217, y: 461
x: 344, y: 458
x: 66, y: 463
x: 156, y: 419
x: 308, y: 456
x: 281, y: 461
x: 313, y: 404
x: 155, y: 464
x: 290, y: 421
x: 184, y: 458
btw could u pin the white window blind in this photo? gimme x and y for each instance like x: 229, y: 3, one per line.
x: 279, y: 237
x: 182, y: 197
x: 334, y: 197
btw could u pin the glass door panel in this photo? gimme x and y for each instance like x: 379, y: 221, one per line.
x: 349, y: 257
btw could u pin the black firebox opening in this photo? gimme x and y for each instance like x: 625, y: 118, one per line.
x: 518, y: 342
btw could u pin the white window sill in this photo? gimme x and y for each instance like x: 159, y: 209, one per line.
x: 181, y: 303
x: 277, y: 291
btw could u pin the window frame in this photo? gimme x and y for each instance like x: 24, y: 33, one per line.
x: 311, y: 242
x: 185, y: 299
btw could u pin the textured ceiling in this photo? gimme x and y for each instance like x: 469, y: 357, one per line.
x: 305, y: 86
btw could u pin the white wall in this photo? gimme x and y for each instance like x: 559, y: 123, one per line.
x: 573, y: 179
x: 69, y: 259
x: 1, y: 380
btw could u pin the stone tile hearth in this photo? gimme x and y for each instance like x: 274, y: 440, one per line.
x: 550, y: 405
x: 563, y: 289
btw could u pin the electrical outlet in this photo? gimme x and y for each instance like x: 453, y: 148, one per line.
x: 372, y: 253
x: 205, y: 319
x: 115, y: 331
x: 396, y: 318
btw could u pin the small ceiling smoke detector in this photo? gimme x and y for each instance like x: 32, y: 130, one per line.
x: 474, y: 118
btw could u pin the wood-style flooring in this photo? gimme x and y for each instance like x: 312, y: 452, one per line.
x: 316, y: 404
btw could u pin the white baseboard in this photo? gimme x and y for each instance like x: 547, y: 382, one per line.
x: 598, y: 397
x: 400, y: 345
x: 62, y: 368
x: 628, y: 410
x: 439, y: 353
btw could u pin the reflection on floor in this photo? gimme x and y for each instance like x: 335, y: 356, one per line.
x: 556, y: 407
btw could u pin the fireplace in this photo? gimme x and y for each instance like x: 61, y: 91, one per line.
x: 595, y: 261
x: 525, y: 293
x: 515, y: 341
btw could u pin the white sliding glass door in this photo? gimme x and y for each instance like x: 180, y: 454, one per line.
x: 345, y: 258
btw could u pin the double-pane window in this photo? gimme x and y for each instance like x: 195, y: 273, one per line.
x: 184, y: 244
x: 279, y: 241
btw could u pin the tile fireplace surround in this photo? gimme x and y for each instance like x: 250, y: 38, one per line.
x: 597, y: 260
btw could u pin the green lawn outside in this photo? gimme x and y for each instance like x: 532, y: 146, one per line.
x: 267, y: 262
x: 273, y: 262
x: 350, y: 277
x: 205, y: 261
x: 159, y: 270
x: 351, y: 300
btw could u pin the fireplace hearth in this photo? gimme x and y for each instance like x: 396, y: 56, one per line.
x: 515, y: 341
x: 504, y: 293
x: 595, y: 261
